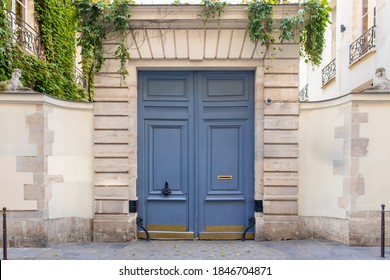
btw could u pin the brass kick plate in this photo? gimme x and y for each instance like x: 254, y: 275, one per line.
x: 166, y: 235
x: 166, y: 227
x: 225, y: 177
x: 224, y: 228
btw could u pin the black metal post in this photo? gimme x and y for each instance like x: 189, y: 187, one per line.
x: 383, y: 231
x: 4, y: 234
x: 252, y: 222
x: 139, y: 223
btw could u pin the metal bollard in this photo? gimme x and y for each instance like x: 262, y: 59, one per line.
x: 383, y: 231
x: 4, y: 234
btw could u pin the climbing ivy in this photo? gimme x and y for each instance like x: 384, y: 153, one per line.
x: 53, y: 71
x: 91, y: 31
x: 95, y: 21
x: 311, y: 21
x: 5, y: 45
x: 315, y: 15
x: 57, y: 31
x: 261, y: 22
x: 119, y: 17
x: 56, y: 21
x: 212, y: 9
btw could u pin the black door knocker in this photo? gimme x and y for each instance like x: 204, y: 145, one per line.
x: 166, y: 190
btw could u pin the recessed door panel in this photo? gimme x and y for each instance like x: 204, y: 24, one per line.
x: 165, y: 87
x: 167, y: 175
x: 221, y: 216
x: 223, y: 146
x: 168, y: 157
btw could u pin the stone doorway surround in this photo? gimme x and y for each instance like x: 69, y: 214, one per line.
x: 173, y: 38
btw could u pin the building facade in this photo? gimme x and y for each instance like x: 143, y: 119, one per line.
x: 200, y: 89
x: 343, y: 184
x: 356, y: 45
x: 205, y: 139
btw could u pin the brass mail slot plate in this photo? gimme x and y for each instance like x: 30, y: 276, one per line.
x: 225, y: 177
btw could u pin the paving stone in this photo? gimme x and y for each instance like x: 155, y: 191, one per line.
x: 309, y: 249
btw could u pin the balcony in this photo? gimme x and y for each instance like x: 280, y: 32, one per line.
x: 24, y: 34
x: 329, y: 72
x: 29, y: 39
x: 362, y: 45
x: 304, y: 94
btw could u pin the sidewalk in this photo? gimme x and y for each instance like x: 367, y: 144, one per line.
x: 200, y: 250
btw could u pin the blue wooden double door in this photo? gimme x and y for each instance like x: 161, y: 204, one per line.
x: 196, y: 153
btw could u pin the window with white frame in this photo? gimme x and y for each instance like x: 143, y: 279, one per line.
x: 19, y: 8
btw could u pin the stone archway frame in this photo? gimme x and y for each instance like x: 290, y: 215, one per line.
x: 178, y: 40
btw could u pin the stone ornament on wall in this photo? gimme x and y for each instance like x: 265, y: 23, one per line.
x: 14, y: 83
x: 381, y: 82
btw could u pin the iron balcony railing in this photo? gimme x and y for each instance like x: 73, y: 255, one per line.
x: 329, y: 72
x: 80, y: 80
x: 304, y: 94
x: 27, y: 37
x: 24, y: 34
x: 362, y: 45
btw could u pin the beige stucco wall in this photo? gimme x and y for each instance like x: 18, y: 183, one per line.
x: 14, y: 142
x: 350, y: 131
x: 344, y: 174
x: 376, y: 165
x: 71, y: 160
x: 46, y: 175
x: 319, y: 187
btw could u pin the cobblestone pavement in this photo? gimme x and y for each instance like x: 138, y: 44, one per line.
x: 200, y: 250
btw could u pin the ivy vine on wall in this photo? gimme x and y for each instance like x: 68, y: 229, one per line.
x: 5, y: 45
x: 95, y: 21
x: 212, y: 9
x: 315, y: 16
x: 311, y: 21
x: 53, y: 71
x: 261, y: 22
x: 58, y: 38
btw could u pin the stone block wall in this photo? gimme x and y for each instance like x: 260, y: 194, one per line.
x: 115, y: 159
x: 280, y: 147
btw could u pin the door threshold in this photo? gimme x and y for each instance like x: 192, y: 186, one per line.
x: 175, y: 235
